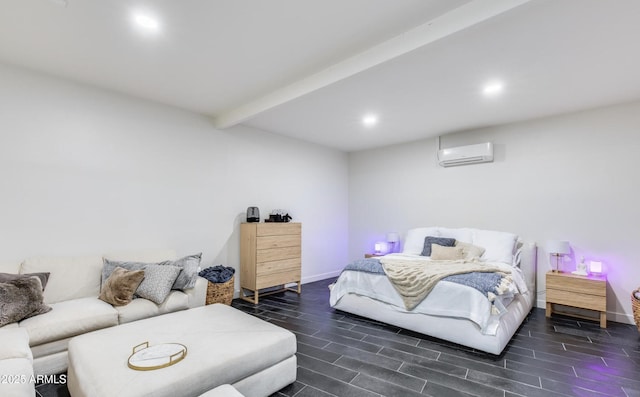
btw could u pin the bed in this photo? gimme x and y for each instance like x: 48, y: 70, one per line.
x: 450, y: 311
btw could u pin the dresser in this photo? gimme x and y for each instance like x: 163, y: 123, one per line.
x: 270, y: 256
x: 584, y: 292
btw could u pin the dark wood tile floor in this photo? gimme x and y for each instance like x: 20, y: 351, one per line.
x: 340, y: 354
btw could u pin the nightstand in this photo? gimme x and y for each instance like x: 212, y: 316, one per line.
x: 373, y: 255
x: 584, y: 292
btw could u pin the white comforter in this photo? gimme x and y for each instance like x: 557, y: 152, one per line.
x: 446, y: 299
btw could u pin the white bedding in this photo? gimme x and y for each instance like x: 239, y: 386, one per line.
x: 470, y: 303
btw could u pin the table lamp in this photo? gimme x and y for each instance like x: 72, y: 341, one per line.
x: 393, y: 238
x: 558, y: 248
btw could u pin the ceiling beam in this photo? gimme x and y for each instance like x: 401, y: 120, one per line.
x: 447, y: 24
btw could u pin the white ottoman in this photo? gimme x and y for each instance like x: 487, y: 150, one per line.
x: 224, y: 346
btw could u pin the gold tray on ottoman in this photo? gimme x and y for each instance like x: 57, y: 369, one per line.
x: 155, y: 357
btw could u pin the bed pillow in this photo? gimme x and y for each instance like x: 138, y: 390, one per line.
x: 21, y: 298
x: 414, y: 241
x: 443, y: 241
x: 189, y: 274
x: 441, y: 253
x: 119, y: 288
x: 157, y: 282
x: 499, y: 246
x: 470, y: 251
x: 44, y: 277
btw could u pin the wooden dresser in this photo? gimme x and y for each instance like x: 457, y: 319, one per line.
x: 584, y: 292
x: 270, y: 256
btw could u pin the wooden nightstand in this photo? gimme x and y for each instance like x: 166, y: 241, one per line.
x: 584, y: 292
x: 372, y: 255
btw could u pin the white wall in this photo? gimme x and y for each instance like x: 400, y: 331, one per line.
x: 573, y: 177
x: 86, y: 171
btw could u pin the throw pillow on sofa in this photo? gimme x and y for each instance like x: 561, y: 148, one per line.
x: 44, y: 277
x: 185, y: 280
x: 189, y: 274
x: 157, y: 282
x: 119, y: 288
x: 20, y: 299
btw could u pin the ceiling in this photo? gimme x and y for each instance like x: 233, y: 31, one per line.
x: 311, y: 69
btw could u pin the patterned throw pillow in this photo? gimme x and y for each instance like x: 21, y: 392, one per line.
x: 157, y: 282
x: 445, y: 242
x: 119, y: 288
x: 189, y: 274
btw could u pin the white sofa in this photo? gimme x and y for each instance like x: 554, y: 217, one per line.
x: 16, y: 363
x: 72, y: 291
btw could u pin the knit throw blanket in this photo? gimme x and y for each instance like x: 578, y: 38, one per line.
x: 414, y: 280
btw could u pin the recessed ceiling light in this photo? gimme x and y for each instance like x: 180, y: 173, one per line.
x: 370, y: 120
x: 493, y: 88
x: 146, y: 22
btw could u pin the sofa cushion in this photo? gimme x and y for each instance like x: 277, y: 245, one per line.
x: 71, y: 277
x: 120, y: 286
x: 70, y: 318
x: 177, y: 300
x: 137, y: 310
x: 21, y: 298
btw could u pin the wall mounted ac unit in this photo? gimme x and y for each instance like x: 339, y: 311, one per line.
x: 470, y: 154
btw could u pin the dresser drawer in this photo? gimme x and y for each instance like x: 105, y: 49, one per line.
x: 277, y: 254
x: 287, y: 265
x: 278, y: 229
x: 265, y: 242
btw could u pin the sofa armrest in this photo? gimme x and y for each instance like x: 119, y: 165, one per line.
x: 198, y: 294
x: 16, y: 364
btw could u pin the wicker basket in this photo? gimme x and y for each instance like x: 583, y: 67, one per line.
x: 635, y: 304
x: 220, y: 292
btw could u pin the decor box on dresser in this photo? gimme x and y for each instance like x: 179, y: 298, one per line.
x: 270, y: 256
x: 584, y: 292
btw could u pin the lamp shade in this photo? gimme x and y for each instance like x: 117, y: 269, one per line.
x: 393, y: 237
x: 558, y: 247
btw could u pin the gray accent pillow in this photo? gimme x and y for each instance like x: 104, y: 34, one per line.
x: 189, y: 274
x: 20, y: 299
x: 44, y: 277
x: 157, y: 282
x: 109, y: 266
x: 443, y: 241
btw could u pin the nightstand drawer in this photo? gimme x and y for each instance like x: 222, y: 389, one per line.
x: 583, y: 301
x: 576, y: 284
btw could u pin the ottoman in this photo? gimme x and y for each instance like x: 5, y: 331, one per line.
x: 224, y: 346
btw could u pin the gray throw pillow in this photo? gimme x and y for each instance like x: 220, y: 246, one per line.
x: 20, y: 299
x: 157, y: 282
x: 109, y: 266
x: 189, y: 274
x: 443, y: 241
x: 44, y: 277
